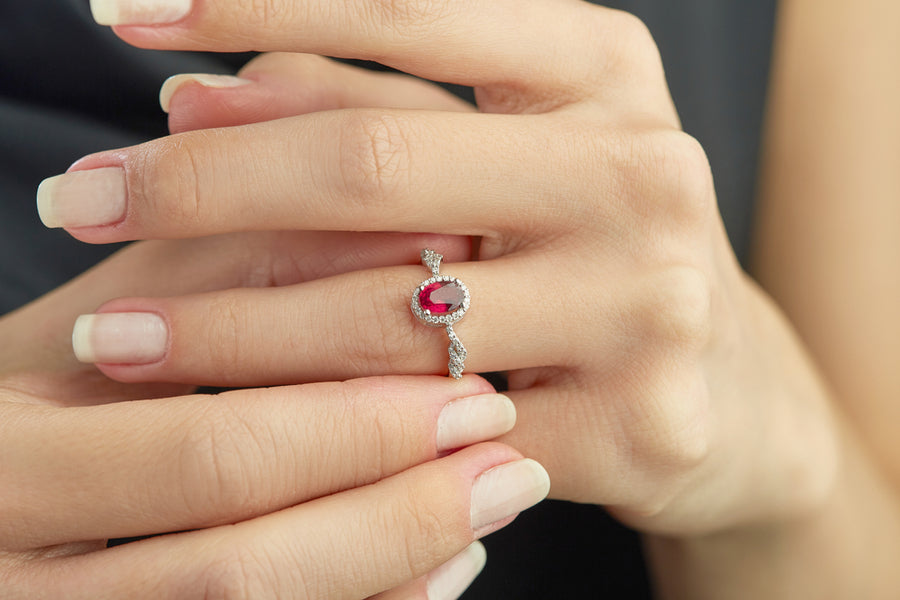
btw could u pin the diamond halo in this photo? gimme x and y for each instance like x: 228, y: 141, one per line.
x: 456, y: 350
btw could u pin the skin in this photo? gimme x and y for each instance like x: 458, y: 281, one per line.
x: 693, y: 410
x: 839, y: 182
x: 247, y: 471
x: 672, y: 347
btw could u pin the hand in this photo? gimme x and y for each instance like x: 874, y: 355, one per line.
x: 270, y: 505
x: 649, y: 374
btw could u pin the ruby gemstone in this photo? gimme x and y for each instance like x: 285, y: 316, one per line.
x: 441, y: 298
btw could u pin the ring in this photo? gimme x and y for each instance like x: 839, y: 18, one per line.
x: 441, y: 301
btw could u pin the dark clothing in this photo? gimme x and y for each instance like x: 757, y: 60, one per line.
x: 69, y: 87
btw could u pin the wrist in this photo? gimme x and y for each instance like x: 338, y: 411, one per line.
x: 846, y: 546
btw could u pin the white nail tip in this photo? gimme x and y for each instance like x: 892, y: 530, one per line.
x: 81, y: 338
x: 171, y: 85
x: 45, y: 194
x: 139, y: 12
x: 505, y: 491
x: 450, y: 580
x: 474, y: 419
x: 120, y: 338
x: 83, y: 198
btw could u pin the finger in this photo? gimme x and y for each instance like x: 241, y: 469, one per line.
x: 447, y: 582
x: 182, y: 267
x: 345, y: 326
x: 337, y: 170
x: 146, y: 467
x: 278, y: 85
x: 349, y: 545
x: 472, y: 43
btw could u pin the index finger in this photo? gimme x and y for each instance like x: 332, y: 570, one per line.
x: 344, y: 170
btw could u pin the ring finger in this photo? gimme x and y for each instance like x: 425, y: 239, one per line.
x: 342, y: 327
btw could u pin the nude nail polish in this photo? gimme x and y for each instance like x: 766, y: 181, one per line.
x: 475, y: 419
x: 120, y: 338
x: 450, y: 580
x: 83, y: 198
x: 505, y: 491
x: 171, y: 85
x: 139, y: 12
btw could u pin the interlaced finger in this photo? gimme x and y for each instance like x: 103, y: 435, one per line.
x: 500, y: 44
x: 147, y: 467
x: 348, y: 545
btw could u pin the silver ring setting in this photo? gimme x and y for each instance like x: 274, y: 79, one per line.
x: 441, y: 301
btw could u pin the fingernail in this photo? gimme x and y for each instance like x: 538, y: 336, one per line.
x: 505, y: 491
x: 450, y: 580
x: 83, y: 198
x: 120, y: 338
x: 172, y: 84
x: 139, y: 12
x: 475, y: 419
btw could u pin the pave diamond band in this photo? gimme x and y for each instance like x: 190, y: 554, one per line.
x: 441, y: 301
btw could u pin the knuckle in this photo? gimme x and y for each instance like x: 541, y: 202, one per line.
x: 390, y: 438
x: 676, y: 309
x: 631, y: 28
x: 224, y: 328
x: 411, y: 19
x: 427, y: 534
x: 168, y: 185
x: 671, y: 422
x: 684, y: 438
x: 235, y: 574
x: 670, y: 437
x: 274, y: 14
x: 381, y: 338
x: 685, y: 166
x: 669, y: 171
x: 632, y: 48
x: 374, y: 157
x: 216, y: 463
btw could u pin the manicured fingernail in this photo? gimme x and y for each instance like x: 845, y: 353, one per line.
x: 474, y: 419
x: 139, y: 12
x: 211, y: 81
x: 450, y: 580
x: 120, y: 338
x: 505, y: 491
x: 83, y: 198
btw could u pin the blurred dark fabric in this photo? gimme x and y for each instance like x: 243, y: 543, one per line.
x: 69, y: 87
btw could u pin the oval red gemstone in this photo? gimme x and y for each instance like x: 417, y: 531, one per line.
x: 441, y: 298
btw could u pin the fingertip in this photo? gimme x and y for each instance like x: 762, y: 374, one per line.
x: 81, y: 339
x: 105, y: 12
x: 87, y: 198
x: 135, y: 338
x: 45, y: 205
x: 474, y: 419
x: 144, y: 12
x: 174, y: 83
x: 502, y: 492
x: 168, y: 89
x: 450, y: 580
